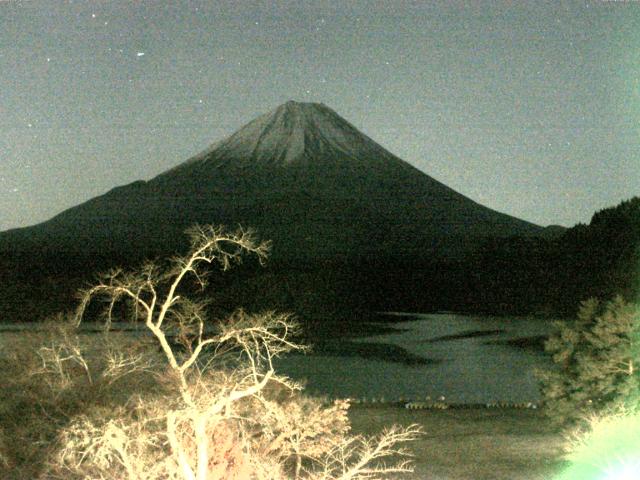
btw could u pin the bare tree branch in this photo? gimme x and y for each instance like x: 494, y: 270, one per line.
x: 231, y: 410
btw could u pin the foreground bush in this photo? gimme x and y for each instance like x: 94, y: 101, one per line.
x: 608, y: 448
x: 51, y: 376
x: 596, y: 359
x: 201, y: 402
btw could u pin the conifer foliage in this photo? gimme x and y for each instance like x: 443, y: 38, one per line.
x: 596, y: 358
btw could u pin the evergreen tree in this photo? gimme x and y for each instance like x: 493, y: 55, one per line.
x: 596, y: 359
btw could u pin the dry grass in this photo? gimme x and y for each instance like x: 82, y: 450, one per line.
x: 48, y: 380
x: 473, y: 444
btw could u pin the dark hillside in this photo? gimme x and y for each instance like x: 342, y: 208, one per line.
x: 554, y: 275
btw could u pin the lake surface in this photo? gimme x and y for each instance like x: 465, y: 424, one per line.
x: 466, y: 359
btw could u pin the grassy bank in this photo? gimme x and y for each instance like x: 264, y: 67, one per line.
x: 472, y: 444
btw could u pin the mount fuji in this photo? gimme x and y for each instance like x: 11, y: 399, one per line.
x: 353, y: 226
x: 302, y: 176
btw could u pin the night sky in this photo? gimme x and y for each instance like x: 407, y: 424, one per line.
x: 530, y: 108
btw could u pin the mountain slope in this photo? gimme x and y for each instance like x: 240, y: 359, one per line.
x: 304, y: 177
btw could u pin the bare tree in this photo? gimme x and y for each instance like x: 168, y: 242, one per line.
x: 222, y: 411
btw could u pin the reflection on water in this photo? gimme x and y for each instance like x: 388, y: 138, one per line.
x: 467, y: 359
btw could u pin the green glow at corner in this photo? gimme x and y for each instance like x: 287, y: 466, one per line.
x: 625, y: 470
x: 628, y: 471
x: 610, y: 450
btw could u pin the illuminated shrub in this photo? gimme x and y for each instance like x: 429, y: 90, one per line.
x: 607, y: 449
x: 596, y: 359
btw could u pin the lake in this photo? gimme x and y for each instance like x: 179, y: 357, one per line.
x: 466, y: 359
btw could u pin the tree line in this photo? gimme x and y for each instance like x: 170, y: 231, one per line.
x: 553, y: 275
x: 547, y: 275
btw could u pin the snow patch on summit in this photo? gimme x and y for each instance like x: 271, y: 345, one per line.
x: 293, y: 133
